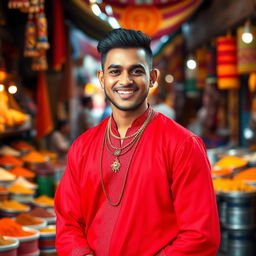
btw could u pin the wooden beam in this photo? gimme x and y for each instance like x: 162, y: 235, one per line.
x: 216, y: 19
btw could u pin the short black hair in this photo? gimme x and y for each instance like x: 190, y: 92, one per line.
x: 124, y: 38
x: 61, y: 123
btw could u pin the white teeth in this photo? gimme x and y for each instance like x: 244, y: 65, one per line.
x: 125, y: 92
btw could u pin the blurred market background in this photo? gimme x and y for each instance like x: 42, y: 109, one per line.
x: 49, y: 94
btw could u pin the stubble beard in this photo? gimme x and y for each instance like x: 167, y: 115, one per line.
x: 131, y: 108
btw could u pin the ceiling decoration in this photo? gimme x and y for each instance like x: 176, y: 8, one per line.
x: 153, y: 17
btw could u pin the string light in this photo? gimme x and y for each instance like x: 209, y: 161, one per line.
x: 247, y: 36
x: 191, y: 63
x: 12, y: 89
x: 169, y: 78
x: 96, y: 9
x: 1, y: 87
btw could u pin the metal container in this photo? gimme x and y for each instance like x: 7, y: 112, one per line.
x: 241, y: 243
x: 238, y: 210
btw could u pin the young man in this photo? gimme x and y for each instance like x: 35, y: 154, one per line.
x: 138, y: 184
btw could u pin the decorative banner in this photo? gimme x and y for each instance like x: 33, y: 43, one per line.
x: 59, y: 36
x: 30, y: 49
x: 167, y: 19
x: 145, y: 18
x: 201, y: 74
x: 227, y: 63
x: 246, y: 53
x: 142, y: 2
x: 44, y: 124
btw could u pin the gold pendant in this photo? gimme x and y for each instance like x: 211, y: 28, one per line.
x: 115, y: 166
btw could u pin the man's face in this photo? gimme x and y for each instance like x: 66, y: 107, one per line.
x: 126, y: 78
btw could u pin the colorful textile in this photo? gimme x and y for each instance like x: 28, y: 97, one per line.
x: 44, y: 123
x: 246, y: 53
x: 227, y: 63
x: 59, y: 36
x: 201, y: 74
x: 167, y: 18
x: 159, y: 214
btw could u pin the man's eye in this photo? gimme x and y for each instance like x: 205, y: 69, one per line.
x: 114, y: 72
x: 138, y: 71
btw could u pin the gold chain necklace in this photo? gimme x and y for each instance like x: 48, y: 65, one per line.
x: 125, y: 177
x: 126, y: 171
x: 116, y: 165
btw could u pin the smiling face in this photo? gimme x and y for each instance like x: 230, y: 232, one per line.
x: 126, y: 78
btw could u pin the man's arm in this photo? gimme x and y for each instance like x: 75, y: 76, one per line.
x: 70, y: 235
x: 194, y: 202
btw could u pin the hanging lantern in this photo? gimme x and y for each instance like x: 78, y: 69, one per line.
x: 42, y: 37
x: 246, y: 52
x: 30, y: 49
x: 227, y: 63
x: 201, y: 74
x: 252, y: 82
x: 39, y: 63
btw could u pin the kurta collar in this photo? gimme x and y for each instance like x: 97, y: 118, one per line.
x: 136, y: 123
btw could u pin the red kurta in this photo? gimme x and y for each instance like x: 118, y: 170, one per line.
x: 168, y: 206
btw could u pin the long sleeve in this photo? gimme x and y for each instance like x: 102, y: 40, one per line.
x: 70, y: 236
x: 194, y: 203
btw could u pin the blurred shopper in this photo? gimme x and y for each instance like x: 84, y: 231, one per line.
x: 161, y: 106
x: 60, y: 139
x: 86, y: 117
x: 138, y: 184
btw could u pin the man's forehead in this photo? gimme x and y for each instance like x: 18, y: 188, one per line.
x: 123, y: 56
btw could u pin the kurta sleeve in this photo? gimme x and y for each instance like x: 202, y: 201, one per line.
x: 70, y: 233
x: 194, y: 202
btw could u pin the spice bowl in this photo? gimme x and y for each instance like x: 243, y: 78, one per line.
x: 29, y: 244
x: 12, y: 213
x: 47, y: 240
x: 22, y: 197
x: 10, y: 249
x: 4, y: 195
x: 41, y: 225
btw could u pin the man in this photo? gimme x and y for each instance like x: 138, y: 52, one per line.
x: 138, y: 184
x: 161, y: 106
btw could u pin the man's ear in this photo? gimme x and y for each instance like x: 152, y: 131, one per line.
x: 154, y: 75
x: 100, y: 76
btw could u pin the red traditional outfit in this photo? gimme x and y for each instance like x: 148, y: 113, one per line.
x: 168, y: 206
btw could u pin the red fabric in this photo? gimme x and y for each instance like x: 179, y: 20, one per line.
x: 168, y: 207
x: 59, y: 37
x: 44, y: 123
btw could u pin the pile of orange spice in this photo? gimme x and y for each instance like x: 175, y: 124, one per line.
x: 22, y: 145
x: 13, y: 205
x: 4, y: 241
x: 10, y: 160
x: 34, y: 157
x: 26, y: 219
x: 48, y: 229
x: 44, y: 200
x: 21, y: 171
x: 247, y: 174
x: 3, y: 190
x: 17, y: 188
x: 9, y: 227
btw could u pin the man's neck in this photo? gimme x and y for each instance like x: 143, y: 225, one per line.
x: 124, y: 119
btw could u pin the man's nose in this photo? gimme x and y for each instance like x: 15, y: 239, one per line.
x: 126, y: 79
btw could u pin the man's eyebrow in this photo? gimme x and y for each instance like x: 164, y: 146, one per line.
x: 114, y: 66
x: 136, y: 66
